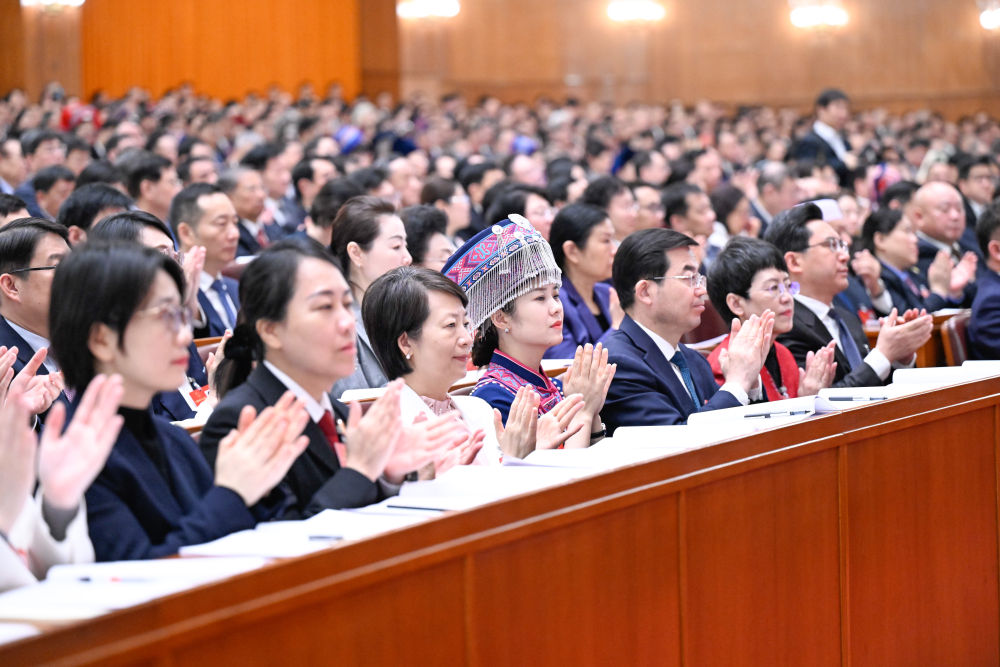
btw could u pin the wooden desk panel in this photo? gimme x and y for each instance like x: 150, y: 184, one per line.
x: 867, y: 537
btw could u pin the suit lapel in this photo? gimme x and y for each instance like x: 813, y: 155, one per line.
x: 805, y: 320
x: 662, y: 368
x: 270, y: 389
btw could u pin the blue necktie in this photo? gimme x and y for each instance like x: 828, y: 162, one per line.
x: 682, y: 365
x: 219, y: 288
x: 847, y: 343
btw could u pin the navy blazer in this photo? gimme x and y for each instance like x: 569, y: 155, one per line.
x: 809, y: 334
x: 248, y: 244
x: 579, y: 324
x: 216, y: 326
x: 904, y: 298
x: 646, y: 391
x: 135, y: 513
x: 10, y: 338
x: 984, y: 326
x: 316, y: 481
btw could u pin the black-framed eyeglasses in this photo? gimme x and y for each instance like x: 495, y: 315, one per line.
x: 34, y: 268
x: 833, y: 244
x: 695, y: 280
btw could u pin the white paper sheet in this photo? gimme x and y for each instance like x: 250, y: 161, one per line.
x: 11, y: 632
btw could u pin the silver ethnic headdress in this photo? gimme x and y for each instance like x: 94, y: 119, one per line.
x: 501, y: 263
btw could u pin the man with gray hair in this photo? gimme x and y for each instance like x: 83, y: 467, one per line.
x: 245, y: 188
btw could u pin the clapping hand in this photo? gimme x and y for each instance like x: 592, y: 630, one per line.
x: 69, y: 461
x: 819, y: 371
x: 257, y: 454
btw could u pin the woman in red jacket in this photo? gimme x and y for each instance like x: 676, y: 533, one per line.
x: 748, y: 277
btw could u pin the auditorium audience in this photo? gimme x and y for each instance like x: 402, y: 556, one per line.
x: 817, y: 258
x: 420, y: 332
x: 202, y: 216
x: 749, y: 277
x: 298, y: 336
x: 513, y: 282
x: 117, y: 308
x: 52, y: 185
x: 583, y: 246
x: 88, y: 204
x: 30, y: 251
x: 368, y: 240
x: 427, y: 238
x: 661, y: 381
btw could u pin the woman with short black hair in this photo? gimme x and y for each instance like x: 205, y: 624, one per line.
x: 116, y: 308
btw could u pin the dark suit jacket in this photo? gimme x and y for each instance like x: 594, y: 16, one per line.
x: 26, y: 191
x: 135, y: 513
x: 808, y: 334
x: 646, y: 391
x: 813, y: 147
x: 216, y: 326
x: 10, y: 338
x: 984, y: 326
x: 903, y: 298
x: 579, y: 324
x: 316, y: 481
x: 248, y: 244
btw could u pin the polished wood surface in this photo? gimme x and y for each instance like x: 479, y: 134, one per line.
x: 932, y: 353
x: 900, y: 54
x: 864, y: 537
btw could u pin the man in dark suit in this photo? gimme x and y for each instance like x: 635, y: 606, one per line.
x: 984, y: 326
x: 30, y: 250
x: 659, y: 380
x: 939, y: 217
x: 245, y: 189
x: 977, y: 181
x: 817, y: 259
x: 825, y: 143
x: 202, y: 215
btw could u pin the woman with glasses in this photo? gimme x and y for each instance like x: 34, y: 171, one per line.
x: 583, y: 246
x: 512, y: 281
x: 891, y: 238
x: 117, y: 308
x: 749, y: 277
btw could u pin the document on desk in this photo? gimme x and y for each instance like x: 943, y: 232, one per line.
x: 72, y: 592
x: 932, y: 378
x: 11, y: 632
x: 763, y: 415
x: 593, y: 459
x: 484, y: 484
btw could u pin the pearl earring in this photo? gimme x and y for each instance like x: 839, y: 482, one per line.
x: 408, y: 355
x: 507, y: 330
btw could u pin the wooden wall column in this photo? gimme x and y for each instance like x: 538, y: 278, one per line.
x: 37, y: 46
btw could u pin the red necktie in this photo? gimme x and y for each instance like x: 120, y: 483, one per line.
x: 329, y: 428
x: 262, y: 238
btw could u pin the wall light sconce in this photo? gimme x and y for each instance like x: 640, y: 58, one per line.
x: 427, y: 9
x: 817, y: 14
x: 630, y: 11
x: 989, y: 14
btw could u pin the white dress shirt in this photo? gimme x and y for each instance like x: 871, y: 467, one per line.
x: 878, y: 361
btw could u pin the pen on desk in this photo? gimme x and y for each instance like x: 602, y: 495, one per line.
x: 416, y: 507
x: 113, y: 580
x: 325, y: 538
x: 769, y: 415
x: 857, y: 399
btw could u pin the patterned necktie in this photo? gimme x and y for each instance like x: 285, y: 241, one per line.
x: 329, y: 428
x: 847, y: 343
x: 681, y: 363
x: 219, y: 288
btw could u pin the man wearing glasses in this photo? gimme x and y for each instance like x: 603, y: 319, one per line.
x: 817, y: 259
x: 660, y: 381
x: 30, y: 250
